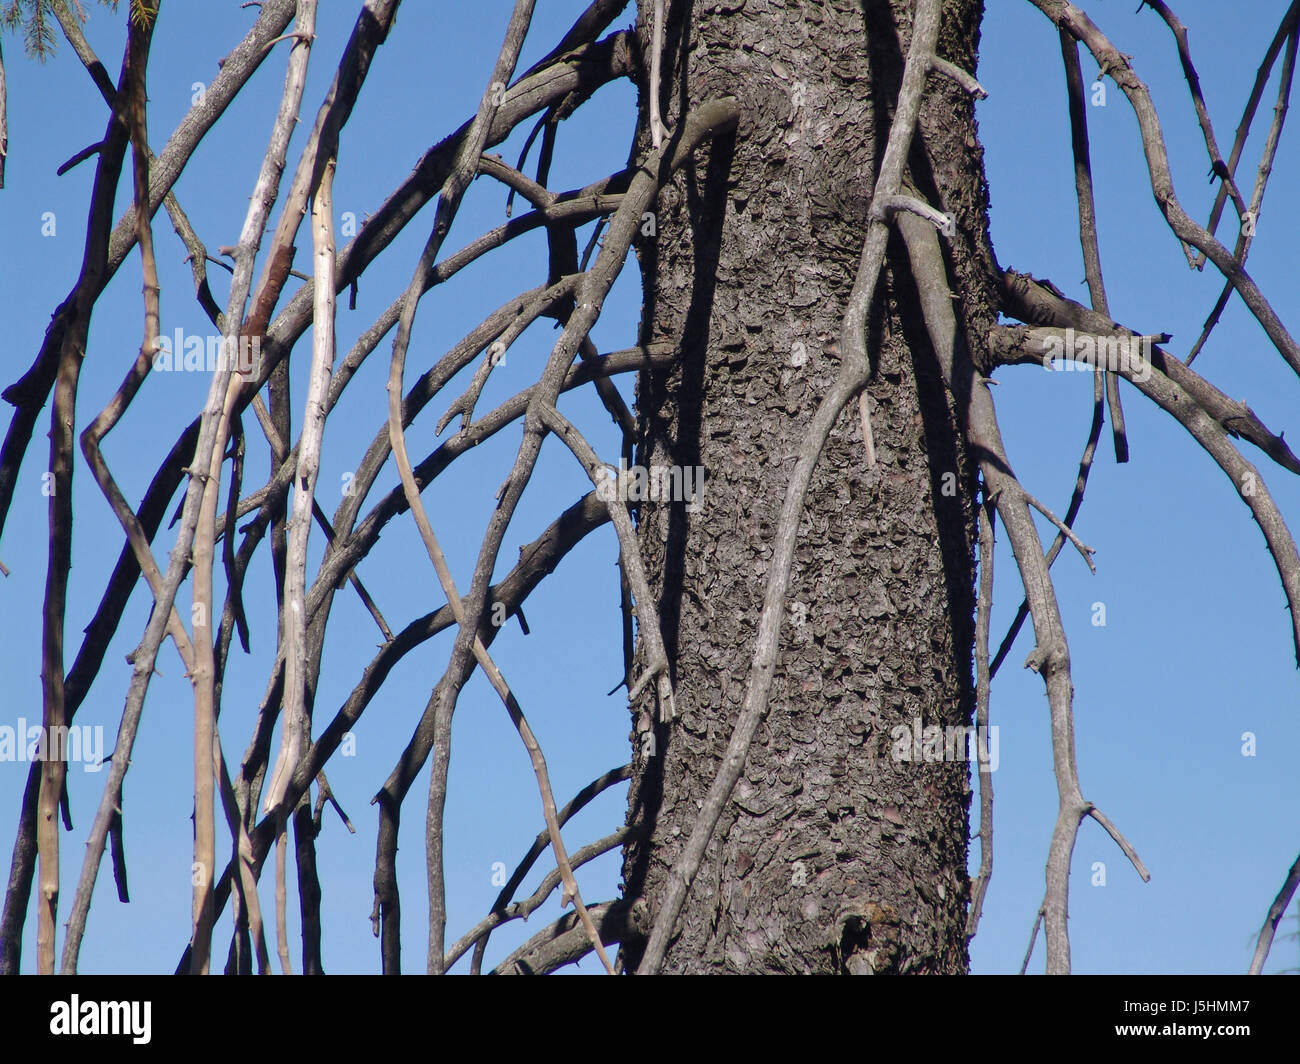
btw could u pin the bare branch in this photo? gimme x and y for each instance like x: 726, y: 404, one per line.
x: 565, y: 942
x: 1050, y: 657
x: 1273, y: 918
x: 1085, y: 551
x: 656, y: 657
x: 1121, y: 842
x: 66, y: 368
x: 965, y: 80
x: 658, y: 131
x: 1088, y: 223
x: 1033, y: 937
x: 1041, y: 304
x: 984, y: 609
x: 30, y: 391
x: 883, y: 208
x: 294, y: 723
x: 1021, y: 344
x: 1250, y: 220
x: 1076, y: 503
x: 479, y: 936
x: 1068, y: 17
x: 4, y: 120
x: 710, y: 119
x: 1285, y: 30
x: 1217, y: 166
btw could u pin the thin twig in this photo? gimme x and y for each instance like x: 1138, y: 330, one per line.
x: 206, y: 450
x: 1085, y: 551
x: 522, y: 910
x: 281, y: 897
x: 656, y: 656
x: 4, y: 121
x: 1121, y: 842
x: 1068, y: 17
x: 1088, y: 224
x: 1033, y: 937
x: 984, y: 609
x: 1024, y: 345
x: 1274, y: 917
x: 710, y: 119
x: 1289, y: 21
x: 69, y: 354
x: 294, y: 722
x: 1217, y: 166
x: 1050, y: 657
x: 965, y: 80
x: 565, y: 941
x: 478, y: 938
x: 1250, y: 220
x: 31, y: 391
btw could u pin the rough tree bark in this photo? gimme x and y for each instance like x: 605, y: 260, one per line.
x: 832, y: 856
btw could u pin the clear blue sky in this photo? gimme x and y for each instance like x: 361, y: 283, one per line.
x: 1196, y: 648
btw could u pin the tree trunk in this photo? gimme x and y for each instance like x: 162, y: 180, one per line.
x: 832, y: 856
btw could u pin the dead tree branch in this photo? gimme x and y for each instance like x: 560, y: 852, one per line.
x: 1274, y: 917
